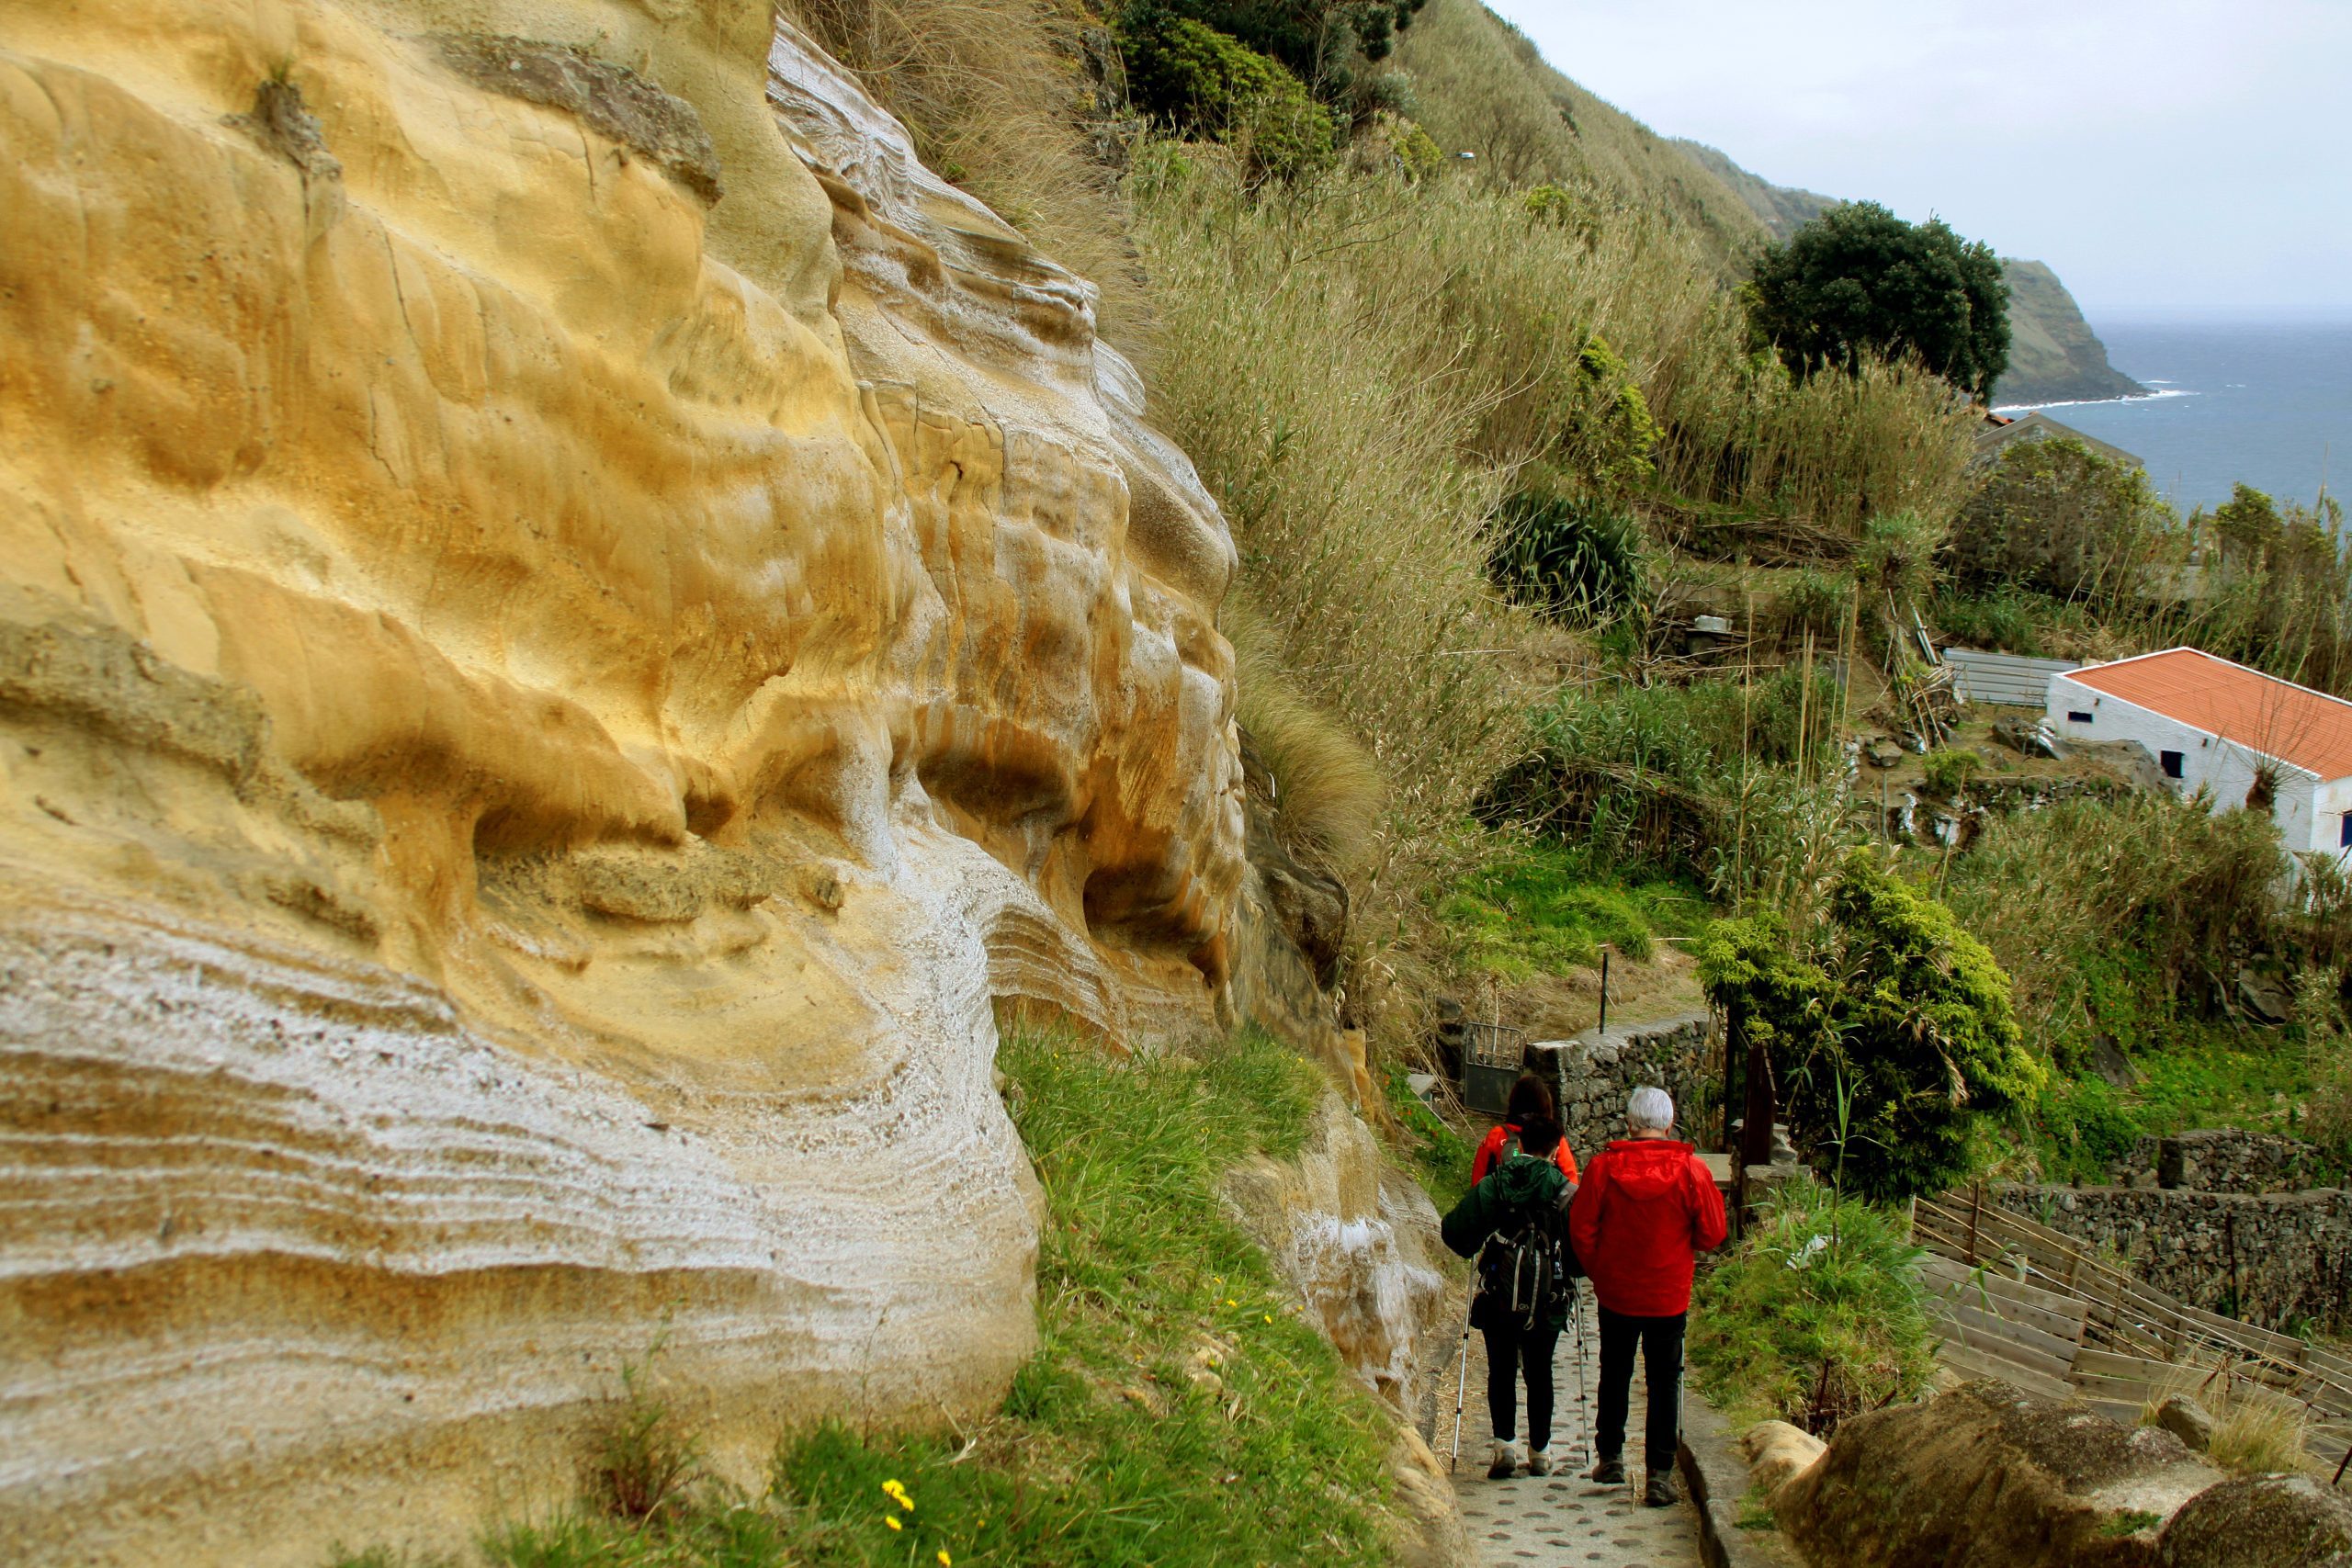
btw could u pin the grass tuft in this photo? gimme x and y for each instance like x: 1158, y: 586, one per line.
x: 1816, y: 1316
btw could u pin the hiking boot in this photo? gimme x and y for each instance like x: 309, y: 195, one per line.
x: 1661, y: 1493
x: 1505, y: 1464
x: 1610, y: 1472
x: 1539, y: 1462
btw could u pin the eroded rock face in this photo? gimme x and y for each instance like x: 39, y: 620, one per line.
x: 564, y: 643
x: 1359, y: 1242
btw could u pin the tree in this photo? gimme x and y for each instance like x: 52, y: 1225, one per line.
x: 1897, y: 1010
x: 1859, y: 280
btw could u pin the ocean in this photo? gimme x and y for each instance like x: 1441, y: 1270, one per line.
x: 2270, y: 404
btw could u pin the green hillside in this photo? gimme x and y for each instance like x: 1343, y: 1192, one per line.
x: 1481, y: 86
x: 1782, y: 209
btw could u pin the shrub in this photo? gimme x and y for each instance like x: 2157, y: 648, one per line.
x: 1326, y: 44
x: 1817, y: 602
x: 1572, y: 559
x: 1947, y: 772
x: 1207, y: 81
x: 2056, y: 518
x: 1609, y: 422
x: 1896, y: 558
x: 1858, y: 280
x: 2117, y: 917
x: 644, y: 1463
x: 1708, y: 781
x: 1890, y: 1032
x: 1815, y: 1316
x: 2327, y: 1119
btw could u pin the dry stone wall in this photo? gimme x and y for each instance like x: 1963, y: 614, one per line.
x: 1593, y: 1074
x: 2274, y: 1260
x: 2219, y: 1160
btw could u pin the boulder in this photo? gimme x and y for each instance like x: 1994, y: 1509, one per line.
x: 1988, y: 1476
x: 2187, y: 1420
x: 2263, y: 996
x: 2025, y: 735
x: 1776, y: 1452
x: 2108, y: 1060
x: 2270, y: 1521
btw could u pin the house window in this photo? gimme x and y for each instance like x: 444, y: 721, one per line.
x: 2077, y: 716
x: 2171, y: 761
x: 2344, y: 835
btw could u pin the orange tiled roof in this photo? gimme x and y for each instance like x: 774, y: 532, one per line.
x: 2259, y: 712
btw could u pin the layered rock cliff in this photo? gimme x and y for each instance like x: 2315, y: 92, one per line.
x: 573, y: 624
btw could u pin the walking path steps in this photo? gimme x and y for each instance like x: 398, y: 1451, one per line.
x: 1562, y: 1519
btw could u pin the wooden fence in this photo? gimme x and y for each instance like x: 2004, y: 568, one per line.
x: 2014, y: 1308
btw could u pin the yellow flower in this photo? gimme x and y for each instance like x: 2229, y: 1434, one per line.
x: 1269, y: 1317
x: 898, y: 1494
x: 892, y: 1520
x: 945, y: 1561
x: 1231, y: 1303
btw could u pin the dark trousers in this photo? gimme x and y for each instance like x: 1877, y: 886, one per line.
x: 1511, y: 1349
x: 1660, y: 1339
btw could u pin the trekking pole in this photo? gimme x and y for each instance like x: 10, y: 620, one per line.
x: 1461, y: 1385
x: 1583, y: 1416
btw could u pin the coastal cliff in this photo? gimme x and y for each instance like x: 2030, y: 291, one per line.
x: 2055, y: 358
x: 574, y: 625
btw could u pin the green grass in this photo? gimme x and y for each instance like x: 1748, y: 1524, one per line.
x: 1441, y: 1154
x: 1535, y: 906
x: 2210, y: 1075
x: 1179, y: 1410
x: 1816, y: 1285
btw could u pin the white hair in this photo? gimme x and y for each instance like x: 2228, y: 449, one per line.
x: 1649, y: 1107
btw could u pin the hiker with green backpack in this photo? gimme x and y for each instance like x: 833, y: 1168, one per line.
x: 1516, y: 1221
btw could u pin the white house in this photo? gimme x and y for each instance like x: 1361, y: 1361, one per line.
x: 2209, y: 722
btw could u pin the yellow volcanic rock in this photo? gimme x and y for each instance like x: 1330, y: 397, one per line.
x: 542, y: 715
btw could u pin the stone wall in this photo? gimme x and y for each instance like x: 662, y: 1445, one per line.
x: 2272, y: 1259
x: 1593, y: 1074
x: 2219, y: 1160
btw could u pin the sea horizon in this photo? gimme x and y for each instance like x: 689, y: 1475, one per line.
x: 2265, y: 402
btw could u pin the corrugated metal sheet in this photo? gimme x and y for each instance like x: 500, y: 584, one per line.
x: 2008, y: 679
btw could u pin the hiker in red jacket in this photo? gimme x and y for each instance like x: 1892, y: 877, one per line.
x: 1531, y: 1101
x: 1647, y: 1207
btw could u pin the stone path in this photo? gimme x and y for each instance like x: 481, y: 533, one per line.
x: 1562, y: 1520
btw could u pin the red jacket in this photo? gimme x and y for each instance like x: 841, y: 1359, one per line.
x: 1491, y: 1150
x: 1647, y: 1207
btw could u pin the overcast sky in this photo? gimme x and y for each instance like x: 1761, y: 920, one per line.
x: 2169, y: 158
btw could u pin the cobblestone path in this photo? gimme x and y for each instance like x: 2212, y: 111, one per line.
x: 1562, y: 1519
